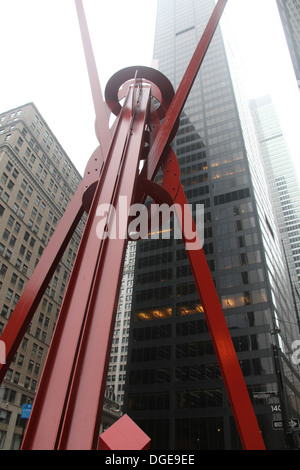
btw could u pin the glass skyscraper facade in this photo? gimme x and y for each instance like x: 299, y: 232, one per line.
x: 284, y: 184
x: 174, y: 388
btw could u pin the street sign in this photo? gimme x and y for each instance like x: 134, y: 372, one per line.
x: 264, y: 395
x: 293, y: 423
x: 26, y: 409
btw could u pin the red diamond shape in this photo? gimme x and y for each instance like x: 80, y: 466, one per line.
x: 124, y: 435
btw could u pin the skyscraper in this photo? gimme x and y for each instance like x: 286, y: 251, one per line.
x: 174, y: 389
x: 289, y: 11
x: 284, y: 184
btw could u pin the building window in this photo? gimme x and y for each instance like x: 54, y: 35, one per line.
x: 5, y: 197
x: 9, y: 294
x: 15, y: 173
x: 4, y: 311
x: 6, y: 234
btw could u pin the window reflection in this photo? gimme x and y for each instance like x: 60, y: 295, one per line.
x: 244, y: 298
x: 188, y: 309
x: 152, y: 314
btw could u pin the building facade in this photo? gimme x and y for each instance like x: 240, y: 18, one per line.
x: 284, y: 185
x: 174, y: 388
x: 116, y: 376
x: 289, y: 11
x: 37, y: 180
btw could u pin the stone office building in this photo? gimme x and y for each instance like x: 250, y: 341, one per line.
x: 37, y: 181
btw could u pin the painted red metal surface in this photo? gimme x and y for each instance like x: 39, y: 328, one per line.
x: 47, y: 423
x: 238, y: 395
x: 85, y: 400
x: 102, y: 124
x: 124, y: 435
x: 166, y: 131
x: 68, y: 404
x: 38, y: 282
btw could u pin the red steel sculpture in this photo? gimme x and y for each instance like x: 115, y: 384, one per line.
x: 67, y: 409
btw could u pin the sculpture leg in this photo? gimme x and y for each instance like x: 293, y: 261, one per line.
x: 232, y: 375
x: 66, y: 410
x: 35, y: 288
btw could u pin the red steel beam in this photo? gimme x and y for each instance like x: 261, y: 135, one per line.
x: 238, y: 395
x: 34, y: 290
x: 182, y: 93
x: 86, y: 396
x: 38, y: 282
x: 234, y: 381
x: 171, y: 193
x: 47, y: 416
x: 102, y: 124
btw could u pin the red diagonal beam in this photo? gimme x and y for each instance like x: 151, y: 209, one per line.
x: 238, y: 395
x: 102, y: 123
x: 80, y: 429
x: 51, y: 401
x: 35, y: 288
x: 181, y: 96
x: 234, y: 381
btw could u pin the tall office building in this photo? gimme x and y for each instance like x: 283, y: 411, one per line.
x: 37, y: 180
x: 174, y: 388
x: 284, y: 185
x: 289, y: 11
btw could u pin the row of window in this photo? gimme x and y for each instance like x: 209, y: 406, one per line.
x: 154, y: 294
x: 183, y: 400
x: 41, y: 171
x: 34, y: 213
x: 47, y: 142
x: 242, y: 299
x: 10, y: 396
x: 232, y: 196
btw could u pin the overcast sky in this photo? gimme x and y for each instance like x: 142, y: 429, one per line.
x: 42, y: 60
